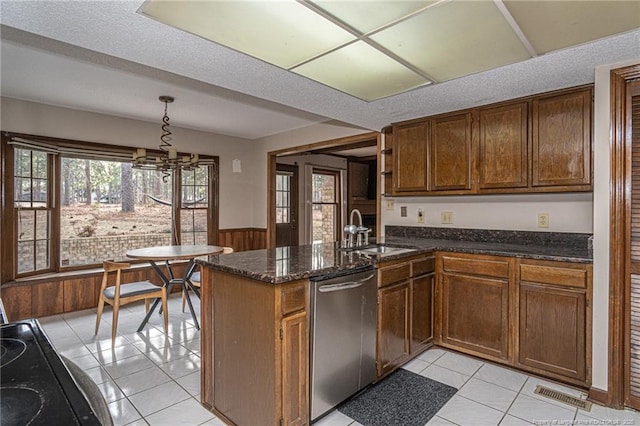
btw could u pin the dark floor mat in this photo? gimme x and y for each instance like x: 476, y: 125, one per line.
x: 403, y: 398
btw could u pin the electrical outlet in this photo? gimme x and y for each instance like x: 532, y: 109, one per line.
x: 403, y: 211
x: 420, y: 216
x: 391, y: 204
x: 543, y: 220
x: 446, y: 217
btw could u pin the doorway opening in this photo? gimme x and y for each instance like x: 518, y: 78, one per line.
x: 336, y: 156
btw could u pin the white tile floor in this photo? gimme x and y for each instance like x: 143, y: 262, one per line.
x: 150, y: 378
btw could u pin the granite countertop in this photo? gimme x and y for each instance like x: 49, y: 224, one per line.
x: 283, y: 264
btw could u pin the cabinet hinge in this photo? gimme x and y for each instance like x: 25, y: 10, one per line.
x: 281, y: 333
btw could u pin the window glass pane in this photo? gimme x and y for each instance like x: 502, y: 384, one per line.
x: 285, y: 216
x: 107, y: 208
x: 22, y: 163
x: 42, y: 254
x: 323, y: 188
x: 195, y: 188
x: 42, y: 225
x: 26, y: 225
x: 324, y: 223
x: 279, y: 182
x: 39, y: 192
x: 39, y: 160
x: 26, y: 255
x: 193, y: 226
x: 188, y: 195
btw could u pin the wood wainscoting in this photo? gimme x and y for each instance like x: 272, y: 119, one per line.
x: 52, y: 294
x: 243, y: 239
x: 65, y: 292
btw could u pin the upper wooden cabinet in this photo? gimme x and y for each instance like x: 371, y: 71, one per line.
x: 450, y: 147
x: 561, y: 139
x: 537, y: 144
x: 502, y: 147
x: 410, y: 157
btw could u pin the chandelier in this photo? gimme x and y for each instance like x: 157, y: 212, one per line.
x: 168, y: 159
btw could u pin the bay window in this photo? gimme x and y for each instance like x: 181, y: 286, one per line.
x: 71, y: 205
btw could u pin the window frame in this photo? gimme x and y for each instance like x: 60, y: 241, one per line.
x: 337, y: 200
x: 76, y: 149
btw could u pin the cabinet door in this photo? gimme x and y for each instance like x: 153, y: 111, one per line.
x: 502, y: 153
x: 410, y: 157
x: 421, y: 312
x: 451, y: 153
x: 475, y: 314
x: 393, y: 327
x: 552, y: 330
x: 295, y: 371
x: 561, y: 140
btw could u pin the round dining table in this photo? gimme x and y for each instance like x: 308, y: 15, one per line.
x: 167, y: 254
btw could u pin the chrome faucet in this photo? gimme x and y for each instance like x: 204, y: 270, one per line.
x: 359, y: 217
x: 358, y: 231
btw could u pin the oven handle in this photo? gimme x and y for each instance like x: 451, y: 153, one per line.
x: 344, y: 286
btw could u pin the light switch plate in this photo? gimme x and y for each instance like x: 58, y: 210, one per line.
x: 391, y: 204
x: 420, y: 216
x: 403, y: 211
x: 446, y: 217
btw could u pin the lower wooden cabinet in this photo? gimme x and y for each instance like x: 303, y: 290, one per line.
x: 475, y: 314
x: 393, y: 327
x: 295, y: 377
x: 255, y: 350
x: 475, y: 304
x: 422, y: 289
x: 531, y: 314
x: 405, y: 311
x: 554, y: 319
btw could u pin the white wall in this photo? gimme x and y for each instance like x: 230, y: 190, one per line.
x: 307, y: 135
x: 236, y: 204
x: 567, y: 212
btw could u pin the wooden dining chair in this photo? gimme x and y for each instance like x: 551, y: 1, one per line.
x: 123, y: 293
x: 195, y: 277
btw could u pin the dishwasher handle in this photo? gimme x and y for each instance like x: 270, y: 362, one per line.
x: 344, y: 286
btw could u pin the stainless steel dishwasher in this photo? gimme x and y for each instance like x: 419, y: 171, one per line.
x: 343, y: 318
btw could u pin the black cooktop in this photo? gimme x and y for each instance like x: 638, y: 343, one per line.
x: 35, y: 386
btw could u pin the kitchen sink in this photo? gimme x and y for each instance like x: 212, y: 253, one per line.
x: 384, y: 250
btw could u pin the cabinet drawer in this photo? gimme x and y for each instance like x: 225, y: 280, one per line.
x: 391, y: 274
x: 423, y: 266
x: 569, y: 277
x: 489, y: 268
x: 293, y: 298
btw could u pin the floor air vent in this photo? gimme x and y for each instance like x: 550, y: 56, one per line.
x: 563, y: 397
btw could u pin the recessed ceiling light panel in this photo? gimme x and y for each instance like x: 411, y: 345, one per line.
x: 361, y: 71
x: 554, y: 25
x: 455, y: 39
x: 283, y: 33
x: 366, y: 16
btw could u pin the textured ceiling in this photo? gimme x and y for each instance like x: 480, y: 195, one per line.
x: 105, y: 57
x: 402, y: 44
